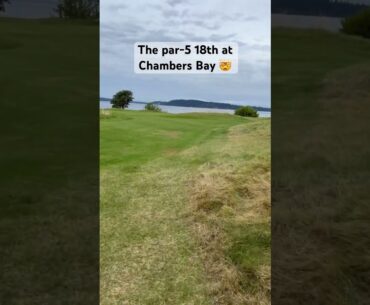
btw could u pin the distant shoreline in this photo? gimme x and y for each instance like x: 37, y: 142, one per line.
x: 196, y: 104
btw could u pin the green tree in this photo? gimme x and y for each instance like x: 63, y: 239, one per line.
x: 122, y: 99
x: 152, y: 107
x: 2, y: 5
x: 247, y: 111
x: 78, y: 9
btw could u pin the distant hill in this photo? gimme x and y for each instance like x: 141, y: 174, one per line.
x: 329, y: 8
x: 196, y: 104
x: 203, y: 104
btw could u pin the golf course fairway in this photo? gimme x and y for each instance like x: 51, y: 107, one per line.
x: 185, y: 208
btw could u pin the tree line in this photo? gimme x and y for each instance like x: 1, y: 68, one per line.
x: 80, y: 9
x: 68, y: 9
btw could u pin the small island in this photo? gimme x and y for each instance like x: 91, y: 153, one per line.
x: 197, y: 104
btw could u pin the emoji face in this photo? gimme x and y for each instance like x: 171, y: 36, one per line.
x: 225, y: 65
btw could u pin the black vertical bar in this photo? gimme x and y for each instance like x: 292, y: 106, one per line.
x: 320, y: 158
x: 49, y: 162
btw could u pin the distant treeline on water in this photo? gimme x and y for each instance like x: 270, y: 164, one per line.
x: 330, y: 8
x: 197, y: 104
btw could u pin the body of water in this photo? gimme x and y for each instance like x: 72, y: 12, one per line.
x: 175, y: 109
x: 307, y: 22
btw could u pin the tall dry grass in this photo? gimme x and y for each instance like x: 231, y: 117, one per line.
x: 226, y: 197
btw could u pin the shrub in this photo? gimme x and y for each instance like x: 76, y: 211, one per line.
x: 152, y: 107
x: 247, y: 111
x: 358, y: 24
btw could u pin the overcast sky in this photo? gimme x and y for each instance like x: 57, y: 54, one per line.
x: 244, y: 21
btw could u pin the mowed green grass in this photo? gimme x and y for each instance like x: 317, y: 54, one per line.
x: 129, y: 139
x: 165, y: 191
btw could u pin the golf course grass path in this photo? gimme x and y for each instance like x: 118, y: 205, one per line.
x: 176, y: 212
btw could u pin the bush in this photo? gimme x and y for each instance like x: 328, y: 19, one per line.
x: 358, y: 24
x: 152, y: 107
x: 247, y: 111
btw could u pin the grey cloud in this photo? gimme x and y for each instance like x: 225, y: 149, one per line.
x: 184, y: 13
x: 192, y: 37
x: 176, y: 2
x: 213, y: 37
x: 170, y: 13
x: 128, y: 33
x: 158, y: 35
x: 250, y: 18
x: 204, y: 24
x: 104, y: 50
x: 216, y: 37
x: 264, y: 48
x: 197, y: 23
x: 154, y: 6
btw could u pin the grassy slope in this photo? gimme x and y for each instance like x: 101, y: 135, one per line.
x: 48, y: 93
x: 320, y: 89
x: 175, y: 224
